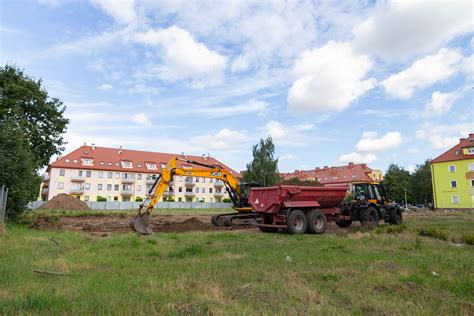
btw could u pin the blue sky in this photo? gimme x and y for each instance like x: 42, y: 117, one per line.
x: 376, y: 82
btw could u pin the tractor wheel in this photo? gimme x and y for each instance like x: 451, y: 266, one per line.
x: 344, y: 223
x: 296, y: 222
x: 369, y: 217
x: 394, y: 216
x: 317, y: 222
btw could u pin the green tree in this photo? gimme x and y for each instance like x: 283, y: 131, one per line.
x: 421, y: 183
x: 397, y: 180
x: 31, y: 128
x: 263, y: 169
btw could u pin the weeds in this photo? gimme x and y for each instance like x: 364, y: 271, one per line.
x: 433, y: 233
x: 391, y: 229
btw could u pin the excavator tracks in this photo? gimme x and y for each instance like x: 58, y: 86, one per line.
x: 235, y: 219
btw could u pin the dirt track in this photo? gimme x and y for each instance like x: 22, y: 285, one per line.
x: 103, y: 225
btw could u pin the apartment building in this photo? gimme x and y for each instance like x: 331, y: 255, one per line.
x: 92, y: 173
x: 452, y: 175
x: 338, y: 175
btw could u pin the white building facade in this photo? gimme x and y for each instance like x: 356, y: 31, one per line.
x: 93, y: 173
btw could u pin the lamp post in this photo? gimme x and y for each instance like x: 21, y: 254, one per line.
x: 406, y: 205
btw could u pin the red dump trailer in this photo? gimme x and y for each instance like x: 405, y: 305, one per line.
x: 297, y: 209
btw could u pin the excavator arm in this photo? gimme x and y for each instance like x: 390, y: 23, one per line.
x: 141, y: 222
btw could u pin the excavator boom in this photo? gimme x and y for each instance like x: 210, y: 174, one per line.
x: 141, y: 222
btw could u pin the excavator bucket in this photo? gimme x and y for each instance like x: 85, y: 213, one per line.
x: 141, y: 224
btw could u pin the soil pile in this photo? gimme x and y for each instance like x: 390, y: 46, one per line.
x: 187, y: 225
x: 64, y: 202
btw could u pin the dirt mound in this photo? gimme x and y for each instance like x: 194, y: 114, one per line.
x: 64, y: 202
x: 190, y: 224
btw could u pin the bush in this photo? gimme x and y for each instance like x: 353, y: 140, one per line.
x: 168, y: 199
x: 101, y: 199
x: 468, y: 239
x: 226, y: 200
x: 433, y: 233
x: 138, y: 199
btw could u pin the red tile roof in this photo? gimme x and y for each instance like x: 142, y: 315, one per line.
x: 456, y: 153
x: 110, y: 159
x: 333, y: 175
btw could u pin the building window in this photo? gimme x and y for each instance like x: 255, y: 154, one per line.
x: 87, y: 162
x: 116, y: 187
x: 139, y: 176
x: 470, y: 167
x: 60, y: 185
x: 196, y: 190
x: 126, y: 164
x: 101, y: 174
x: 197, y: 179
x: 180, y: 199
x: 472, y: 183
x: 452, y: 168
x: 86, y: 198
x: 455, y: 199
x: 109, y: 187
x: 99, y: 187
x: 67, y: 160
x: 454, y: 184
x: 203, y: 190
x: 180, y: 189
x: 139, y: 188
x: 117, y: 175
x: 109, y: 175
x: 470, y: 151
x: 210, y: 190
x: 75, y: 160
x: 151, y: 165
x: 211, y: 180
x: 79, y: 173
x: 87, y: 186
x: 88, y: 174
x: 62, y: 172
x: 115, y: 198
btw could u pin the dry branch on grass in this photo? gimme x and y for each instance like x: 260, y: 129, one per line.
x: 49, y: 272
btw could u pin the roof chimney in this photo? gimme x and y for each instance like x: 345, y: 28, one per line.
x: 84, y: 144
x: 93, y: 146
x: 351, y: 165
x: 462, y: 139
x: 326, y: 168
x: 119, y: 152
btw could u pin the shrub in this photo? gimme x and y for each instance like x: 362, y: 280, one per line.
x: 434, y: 233
x: 468, y: 239
x: 101, y: 199
x: 226, y: 200
x: 138, y: 199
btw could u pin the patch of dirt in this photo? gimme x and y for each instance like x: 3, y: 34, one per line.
x: 64, y: 202
x: 103, y: 225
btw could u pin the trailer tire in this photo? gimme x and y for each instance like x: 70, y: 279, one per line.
x: 344, y: 223
x: 317, y: 222
x: 369, y: 217
x: 296, y: 222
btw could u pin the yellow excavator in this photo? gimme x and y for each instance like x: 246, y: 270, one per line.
x: 238, y: 193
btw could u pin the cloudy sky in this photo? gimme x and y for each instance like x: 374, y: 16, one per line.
x: 330, y: 81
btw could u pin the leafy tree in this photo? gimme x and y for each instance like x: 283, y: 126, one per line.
x: 397, y: 180
x: 264, y: 167
x: 31, y: 128
x: 421, y: 183
x: 297, y: 181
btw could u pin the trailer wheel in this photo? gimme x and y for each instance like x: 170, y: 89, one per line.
x: 369, y: 217
x: 296, y: 222
x: 317, y: 222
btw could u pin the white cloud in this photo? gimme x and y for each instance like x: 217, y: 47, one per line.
x: 356, y: 157
x: 287, y: 157
x: 253, y: 106
x: 423, y: 73
x: 330, y: 78
x: 287, y: 134
x: 225, y: 139
x: 443, y: 137
x: 141, y: 119
x: 370, y: 143
x: 123, y: 11
x: 106, y: 87
x: 468, y: 67
x: 441, y: 103
x: 401, y: 29
x: 184, y: 58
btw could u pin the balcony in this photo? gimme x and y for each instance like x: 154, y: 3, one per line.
x: 77, y: 179
x: 189, y: 182
x: 168, y: 193
x: 45, y: 178
x: 128, y: 180
x: 219, y: 184
x: 126, y: 192
x: 77, y: 191
x: 150, y: 180
x: 189, y: 194
x: 219, y: 194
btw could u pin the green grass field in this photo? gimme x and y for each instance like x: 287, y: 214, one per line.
x: 383, y: 271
